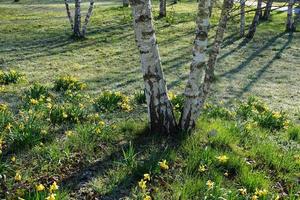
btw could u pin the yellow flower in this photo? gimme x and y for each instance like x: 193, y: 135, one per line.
x: 44, y: 132
x: 276, y: 115
x: 40, y: 187
x: 222, y: 159
x: 210, y: 184
x: 8, y: 126
x: 51, y: 197
x: 48, y: 99
x: 262, y: 192
x: 243, y: 191
x: 13, y: 159
x: 34, y: 101
x: 69, y: 133
x: 64, y: 115
x: 49, y: 105
x: 164, y: 165
x: 277, y: 197
x: 3, y: 107
x: 254, y: 197
x: 147, y: 177
x: 286, y: 124
x: 226, y: 174
x: 101, y: 123
x: 53, y: 187
x: 18, y: 177
x: 171, y: 95
x: 202, y: 168
x: 147, y: 197
x: 142, y: 184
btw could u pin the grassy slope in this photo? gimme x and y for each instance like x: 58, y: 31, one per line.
x: 88, y: 165
x: 35, y: 40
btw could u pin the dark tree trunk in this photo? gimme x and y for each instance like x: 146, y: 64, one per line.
x: 267, y: 11
x: 162, y: 8
x: 255, y: 21
x: 290, y: 25
x: 77, y: 19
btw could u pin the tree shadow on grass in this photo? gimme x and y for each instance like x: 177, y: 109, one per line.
x: 241, y: 66
x: 265, y: 67
x: 150, y: 148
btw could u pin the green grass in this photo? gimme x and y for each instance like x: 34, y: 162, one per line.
x: 57, y: 131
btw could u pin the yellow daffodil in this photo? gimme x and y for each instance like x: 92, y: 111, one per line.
x: 276, y: 115
x: 147, y: 177
x: 147, y: 197
x: 142, y: 184
x: 262, y: 192
x: 49, y: 105
x: 18, y: 177
x: 202, y: 168
x: 44, y: 132
x: 254, y: 197
x: 53, y: 187
x: 243, y: 191
x: 222, y: 158
x: 101, y: 123
x: 40, y: 187
x: 64, y: 115
x: 34, y: 101
x: 226, y: 174
x: 51, y: 197
x: 69, y: 133
x: 13, y: 159
x: 163, y: 165
x: 277, y: 197
x: 8, y: 126
x: 210, y: 184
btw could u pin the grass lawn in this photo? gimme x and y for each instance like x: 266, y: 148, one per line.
x: 66, y: 131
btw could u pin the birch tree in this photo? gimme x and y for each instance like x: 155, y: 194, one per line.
x: 267, y: 11
x: 255, y: 21
x: 242, y: 18
x: 194, y: 96
x: 162, y: 8
x: 290, y: 26
x: 161, y: 116
x: 76, y: 23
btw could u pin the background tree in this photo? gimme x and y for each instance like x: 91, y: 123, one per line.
x: 242, y: 18
x: 162, y: 8
x: 290, y: 25
x: 255, y: 21
x: 76, y: 23
x: 125, y: 3
x: 267, y: 10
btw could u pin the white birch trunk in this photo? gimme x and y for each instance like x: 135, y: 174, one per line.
x: 242, y: 19
x: 87, y: 17
x: 193, y: 95
x: 290, y: 26
x: 69, y: 14
x: 214, y: 51
x: 160, y: 110
x: 77, y: 19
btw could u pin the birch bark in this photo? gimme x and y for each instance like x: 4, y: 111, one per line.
x: 160, y: 110
x: 77, y: 19
x: 242, y: 19
x: 162, y: 8
x: 69, y: 14
x: 87, y: 17
x: 255, y: 21
x: 214, y: 51
x: 193, y: 95
x: 290, y: 26
x: 267, y: 12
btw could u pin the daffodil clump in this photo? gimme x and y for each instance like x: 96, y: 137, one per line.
x: 112, y: 101
x: 142, y: 185
x: 11, y: 76
x: 68, y: 83
x: 176, y: 100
